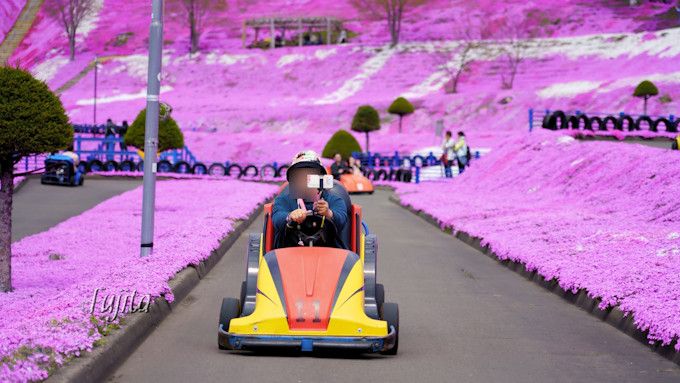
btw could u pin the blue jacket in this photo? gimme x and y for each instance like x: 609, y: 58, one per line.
x: 284, y: 204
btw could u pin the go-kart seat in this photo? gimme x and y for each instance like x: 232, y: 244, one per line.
x: 340, y: 191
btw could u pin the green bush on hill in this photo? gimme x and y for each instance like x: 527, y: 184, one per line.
x: 342, y: 142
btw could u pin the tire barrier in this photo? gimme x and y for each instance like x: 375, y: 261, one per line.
x: 164, y: 166
x: 95, y: 166
x: 217, y: 169
x: 127, y: 166
x: 630, y: 126
x: 559, y: 120
x: 267, y: 170
x: 280, y: 171
x: 648, y: 120
x: 199, y: 168
x: 111, y: 166
x: 238, y: 168
x: 254, y: 172
x: 595, y: 124
x: 140, y: 166
x: 183, y: 167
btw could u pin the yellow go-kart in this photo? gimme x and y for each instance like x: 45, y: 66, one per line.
x: 311, y: 297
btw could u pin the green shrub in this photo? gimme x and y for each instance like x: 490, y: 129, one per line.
x: 366, y: 120
x: 401, y: 107
x: 169, y: 134
x: 342, y: 142
x: 32, y: 121
x: 645, y: 90
x: 32, y: 118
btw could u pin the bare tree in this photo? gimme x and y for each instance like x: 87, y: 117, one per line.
x: 470, y: 34
x: 70, y: 14
x: 391, y: 10
x: 515, y: 44
x: 195, y: 12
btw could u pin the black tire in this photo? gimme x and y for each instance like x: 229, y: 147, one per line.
x: 164, y: 166
x: 140, y: 166
x: 650, y: 123
x: 614, y: 120
x: 183, y: 167
x: 670, y: 127
x: 237, y: 167
x: 628, y: 122
x: 597, y: 121
x: 95, y: 166
x: 127, y: 166
x: 574, y: 122
x: 217, y: 169
x: 242, y: 298
x: 255, y: 172
x: 552, y: 121
x: 381, y: 175
x: 199, y: 168
x: 380, y: 295
x: 111, y: 166
x: 268, y: 170
x: 390, y: 314
x: 82, y: 180
x: 82, y: 167
x: 280, y: 171
x: 231, y: 308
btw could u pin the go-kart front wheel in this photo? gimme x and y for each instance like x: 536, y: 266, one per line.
x: 231, y: 308
x: 390, y: 314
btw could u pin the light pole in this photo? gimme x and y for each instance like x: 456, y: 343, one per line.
x: 94, y: 111
x: 151, y: 128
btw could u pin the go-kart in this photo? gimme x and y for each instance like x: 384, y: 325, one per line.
x: 61, y: 170
x: 311, y: 296
x: 355, y: 183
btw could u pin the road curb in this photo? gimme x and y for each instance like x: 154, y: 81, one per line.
x: 612, y: 315
x: 98, y: 364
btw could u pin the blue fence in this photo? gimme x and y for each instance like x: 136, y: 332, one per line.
x: 602, y: 122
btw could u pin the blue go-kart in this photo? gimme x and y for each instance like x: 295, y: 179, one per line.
x: 61, y: 170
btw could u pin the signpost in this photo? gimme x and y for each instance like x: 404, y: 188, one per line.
x: 151, y: 128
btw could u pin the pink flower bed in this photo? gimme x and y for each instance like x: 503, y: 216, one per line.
x: 46, y: 320
x: 599, y: 216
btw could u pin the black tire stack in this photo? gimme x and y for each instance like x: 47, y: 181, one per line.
x: 559, y: 120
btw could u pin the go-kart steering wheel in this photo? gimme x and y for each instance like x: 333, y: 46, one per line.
x: 316, y: 230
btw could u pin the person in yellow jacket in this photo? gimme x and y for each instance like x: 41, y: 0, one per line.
x: 676, y: 143
x: 461, y: 150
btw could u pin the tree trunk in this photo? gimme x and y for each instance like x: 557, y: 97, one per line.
x: 367, y: 147
x: 400, y: 118
x: 72, y: 47
x: 193, y: 32
x: 646, y: 98
x: 6, y: 190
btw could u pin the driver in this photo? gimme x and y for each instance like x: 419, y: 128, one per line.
x: 287, y: 210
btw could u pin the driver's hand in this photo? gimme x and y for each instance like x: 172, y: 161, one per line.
x: 321, y: 208
x: 298, y: 215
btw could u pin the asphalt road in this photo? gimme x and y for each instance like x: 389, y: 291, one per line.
x: 38, y: 207
x: 464, y: 318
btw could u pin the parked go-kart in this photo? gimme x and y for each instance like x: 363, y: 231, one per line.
x: 61, y: 170
x: 311, y: 297
x: 355, y: 183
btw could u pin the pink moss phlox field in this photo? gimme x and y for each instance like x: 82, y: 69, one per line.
x: 600, y: 216
x: 56, y: 272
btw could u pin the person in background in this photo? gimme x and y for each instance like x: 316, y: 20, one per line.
x: 354, y: 166
x: 343, y: 37
x: 121, y: 134
x: 676, y: 143
x: 462, y: 152
x: 447, y: 153
x: 110, y: 128
x: 338, y: 168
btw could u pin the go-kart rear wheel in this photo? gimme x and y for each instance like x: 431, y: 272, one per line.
x: 243, y: 294
x: 390, y: 314
x: 231, y: 308
x: 379, y: 296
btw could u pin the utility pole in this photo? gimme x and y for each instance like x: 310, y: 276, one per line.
x: 151, y: 129
x: 94, y: 111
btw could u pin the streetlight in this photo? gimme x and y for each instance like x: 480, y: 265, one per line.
x: 94, y: 111
x: 151, y: 127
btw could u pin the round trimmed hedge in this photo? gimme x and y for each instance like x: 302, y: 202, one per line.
x: 169, y: 134
x: 342, y: 142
